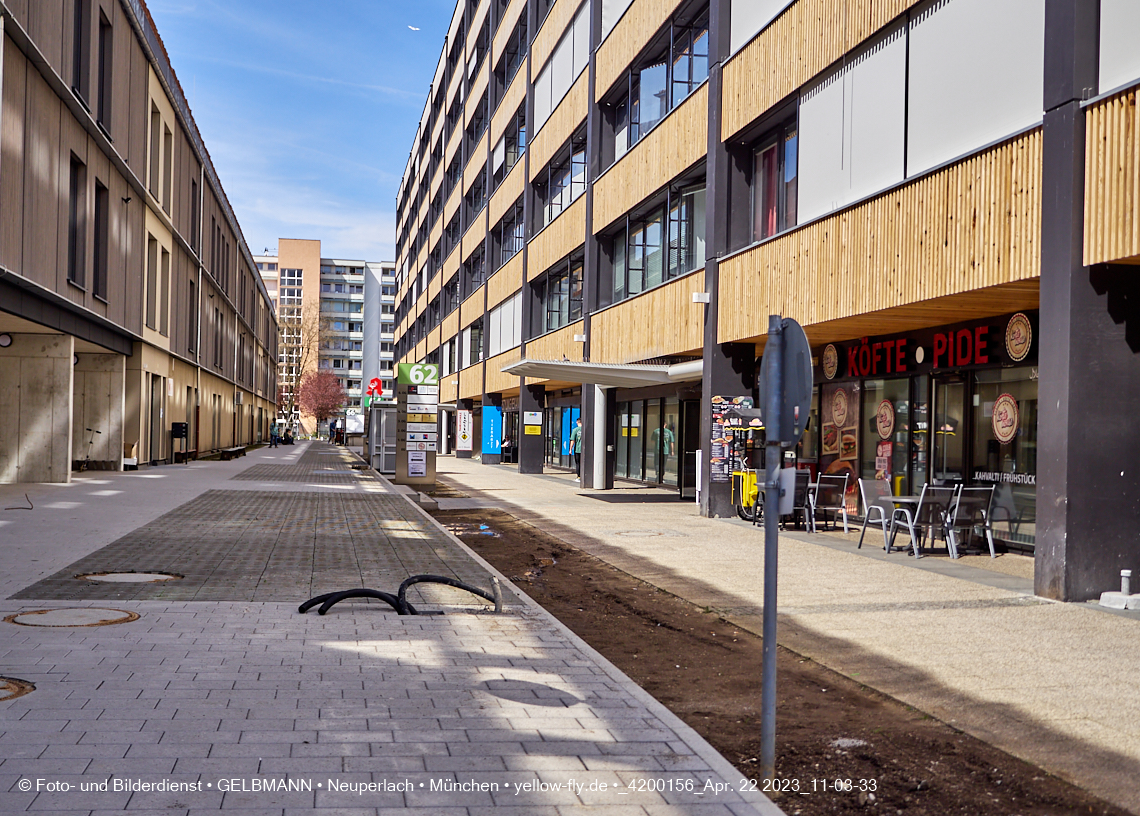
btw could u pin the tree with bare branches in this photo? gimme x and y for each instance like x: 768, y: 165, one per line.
x: 321, y: 394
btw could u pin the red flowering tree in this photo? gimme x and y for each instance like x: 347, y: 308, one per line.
x: 321, y: 395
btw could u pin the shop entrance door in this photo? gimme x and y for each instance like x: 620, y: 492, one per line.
x: 948, y: 465
x: 689, y: 443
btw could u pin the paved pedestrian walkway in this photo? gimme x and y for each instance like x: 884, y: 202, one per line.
x: 209, y: 691
x: 965, y: 641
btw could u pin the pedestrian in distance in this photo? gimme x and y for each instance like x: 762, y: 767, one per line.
x: 576, y: 448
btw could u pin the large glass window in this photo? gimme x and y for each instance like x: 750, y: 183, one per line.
x: 774, y: 173
x: 560, y: 294
x: 560, y: 184
x: 1004, y: 450
x: 885, y: 432
x: 667, y: 242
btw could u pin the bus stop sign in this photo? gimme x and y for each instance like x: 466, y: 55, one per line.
x: 795, y: 404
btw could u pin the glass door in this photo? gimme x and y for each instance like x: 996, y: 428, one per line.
x: 948, y: 466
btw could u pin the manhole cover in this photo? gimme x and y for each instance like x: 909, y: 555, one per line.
x: 639, y: 533
x: 75, y: 616
x: 11, y: 688
x: 129, y: 577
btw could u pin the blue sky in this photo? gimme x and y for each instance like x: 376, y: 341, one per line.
x: 308, y: 109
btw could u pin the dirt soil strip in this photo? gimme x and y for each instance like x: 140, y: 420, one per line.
x: 707, y: 671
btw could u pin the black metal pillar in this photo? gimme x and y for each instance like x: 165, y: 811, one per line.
x: 1088, y: 484
x: 532, y: 398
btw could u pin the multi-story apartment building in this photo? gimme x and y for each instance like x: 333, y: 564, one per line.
x: 321, y: 309
x: 605, y: 200
x: 128, y: 299
x: 379, y: 333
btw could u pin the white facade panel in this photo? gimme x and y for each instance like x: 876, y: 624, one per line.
x: 976, y: 75
x: 612, y: 10
x: 1119, y: 54
x: 821, y: 183
x: 542, y: 105
x: 748, y: 17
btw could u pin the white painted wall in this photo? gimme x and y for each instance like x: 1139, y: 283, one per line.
x: 1119, y: 53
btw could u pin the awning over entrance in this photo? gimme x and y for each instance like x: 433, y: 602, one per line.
x: 611, y: 375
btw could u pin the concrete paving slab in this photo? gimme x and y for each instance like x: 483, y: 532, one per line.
x: 228, y: 688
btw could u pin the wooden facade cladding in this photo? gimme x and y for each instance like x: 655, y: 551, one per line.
x: 471, y: 309
x: 471, y: 382
x: 473, y: 26
x: 807, y: 37
x: 677, y: 143
x: 452, y: 90
x: 437, y: 181
x: 632, y: 33
x: 1112, y: 179
x: 508, y: 106
x: 475, y: 94
x: 498, y: 381
x: 450, y: 325
x: 434, y: 285
x: 421, y: 350
x: 450, y: 264
x: 508, y: 193
x: 452, y: 204
x: 656, y: 323
x: 550, y: 32
x: 436, y: 233
x: 505, y: 282
x: 476, y: 162
x: 448, y: 388
x: 562, y: 236
x: 474, y: 237
x: 506, y: 28
x: 452, y: 146
x: 973, y: 225
x: 570, y: 113
x: 555, y: 345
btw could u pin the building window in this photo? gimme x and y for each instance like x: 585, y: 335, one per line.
x: 660, y: 245
x: 560, y: 295
x: 77, y: 223
x: 81, y: 51
x: 510, y: 147
x: 151, y: 281
x: 471, y: 344
x: 774, y: 173
x: 192, y: 321
x: 476, y: 195
x: 508, y: 234
x: 449, y: 295
x: 155, y: 150
x: 514, y: 52
x: 106, y: 60
x: 563, y: 180
x: 102, y: 240
x: 661, y: 83
x: 474, y: 271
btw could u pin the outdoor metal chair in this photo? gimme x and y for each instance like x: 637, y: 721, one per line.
x: 830, y: 496
x: 928, y: 517
x: 802, y: 500
x: 1004, y: 508
x: 877, y: 507
x: 971, y: 511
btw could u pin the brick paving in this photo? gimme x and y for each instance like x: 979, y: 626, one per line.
x: 226, y: 698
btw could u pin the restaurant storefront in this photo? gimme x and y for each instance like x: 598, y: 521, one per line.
x: 946, y: 406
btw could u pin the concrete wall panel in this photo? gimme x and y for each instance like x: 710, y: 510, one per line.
x: 35, y: 396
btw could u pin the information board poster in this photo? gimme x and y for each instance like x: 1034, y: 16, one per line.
x: 839, y: 436
x: 466, y: 430
x: 417, y: 429
x: 720, y: 453
x: 492, y: 429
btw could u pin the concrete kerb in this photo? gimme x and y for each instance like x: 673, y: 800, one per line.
x: 701, y: 748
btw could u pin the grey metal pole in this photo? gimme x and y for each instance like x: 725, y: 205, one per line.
x: 773, y: 459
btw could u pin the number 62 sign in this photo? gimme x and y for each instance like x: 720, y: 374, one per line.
x: 417, y: 374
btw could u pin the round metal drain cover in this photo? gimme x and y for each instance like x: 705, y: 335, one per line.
x: 129, y: 577
x: 639, y: 533
x: 11, y: 688
x: 73, y: 616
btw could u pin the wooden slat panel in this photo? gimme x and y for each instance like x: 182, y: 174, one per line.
x: 419, y: 351
x: 509, y: 106
x: 475, y: 163
x: 633, y: 31
x: 450, y: 325
x: 474, y: 237
x: 804, y: 40
x: 496, y: 379
x: 505, y: 282
x: 437, y: 181
x: 449, y: 388
x: 570, y: 113
x: 477, y: 87
x: 1112, y: 179
x: 506, y: 26
x: 967, y: 227
x: 472, y: 308
x: 562, y: 236
x: 677, y: 143
x: 434, y: 285
x: 659, y: 322
x: 453, y: 87
x: 452, y: 146
x: 556, y: 344
x: 508, y: 193
x: 450, y: 264
x: 474, y: 25
x: 451, y: 205
x: 436, y: 233
x: 550, y: 32
x: 471, y: 382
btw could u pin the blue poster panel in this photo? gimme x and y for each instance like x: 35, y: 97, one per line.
x: 492, y: 429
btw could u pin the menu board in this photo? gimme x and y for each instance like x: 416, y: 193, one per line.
x: 839, y: 436
x: 720, y: 453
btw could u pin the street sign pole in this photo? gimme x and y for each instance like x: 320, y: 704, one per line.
x: 773, y: 460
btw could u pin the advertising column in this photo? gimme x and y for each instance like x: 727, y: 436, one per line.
x: 417, y: 431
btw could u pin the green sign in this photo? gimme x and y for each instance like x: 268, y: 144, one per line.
x: 417, y: 374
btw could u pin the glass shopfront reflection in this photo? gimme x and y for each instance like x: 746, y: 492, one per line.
x: 1004, y: 446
